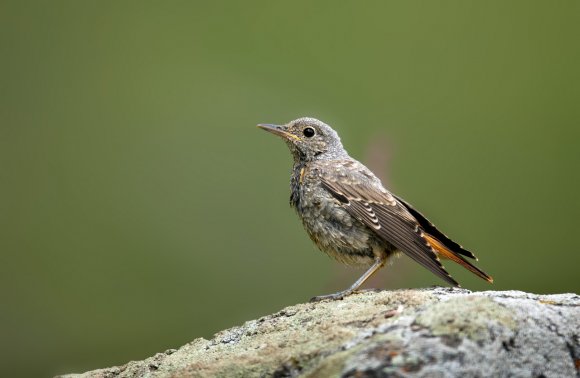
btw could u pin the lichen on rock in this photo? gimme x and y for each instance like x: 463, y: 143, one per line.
x: 437, y: 332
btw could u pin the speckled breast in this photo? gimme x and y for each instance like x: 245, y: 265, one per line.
x: 327, y: 222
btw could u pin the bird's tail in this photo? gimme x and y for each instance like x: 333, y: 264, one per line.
x: 446, y: 253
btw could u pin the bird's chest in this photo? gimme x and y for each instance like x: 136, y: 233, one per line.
x: 312, y: 202
x: 306, y: 194
x: 327, y: 222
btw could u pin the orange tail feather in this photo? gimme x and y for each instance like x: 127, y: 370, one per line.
x: 446, y: 253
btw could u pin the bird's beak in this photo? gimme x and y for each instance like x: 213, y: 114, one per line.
x: 278, y: 130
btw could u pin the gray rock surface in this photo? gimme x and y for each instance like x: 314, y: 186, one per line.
x: 438, y: 332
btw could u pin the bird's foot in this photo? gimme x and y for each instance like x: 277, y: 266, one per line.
x: 333, y: 297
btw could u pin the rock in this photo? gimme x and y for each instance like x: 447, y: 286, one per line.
x: 437, y: 332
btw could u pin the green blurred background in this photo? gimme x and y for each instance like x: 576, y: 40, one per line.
x: 141, y: 208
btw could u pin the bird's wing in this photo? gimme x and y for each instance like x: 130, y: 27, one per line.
x: 431, y: 229
x: 363, y: 196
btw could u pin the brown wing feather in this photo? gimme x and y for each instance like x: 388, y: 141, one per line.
x: 379, y: 210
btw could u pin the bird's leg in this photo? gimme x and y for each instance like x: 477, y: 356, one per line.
x: 378, y: 264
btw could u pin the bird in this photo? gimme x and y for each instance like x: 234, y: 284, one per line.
x: 348, y: 213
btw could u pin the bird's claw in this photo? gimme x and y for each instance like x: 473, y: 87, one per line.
x: 333, y: 297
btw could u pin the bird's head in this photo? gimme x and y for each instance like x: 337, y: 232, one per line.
x: 308, y: 139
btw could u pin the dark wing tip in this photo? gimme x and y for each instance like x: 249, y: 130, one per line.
x: 450, y: 280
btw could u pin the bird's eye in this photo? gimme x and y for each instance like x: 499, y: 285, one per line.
x: 308, y: 132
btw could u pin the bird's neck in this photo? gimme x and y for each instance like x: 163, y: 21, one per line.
x: 331, y: 154
x: 298, y: 170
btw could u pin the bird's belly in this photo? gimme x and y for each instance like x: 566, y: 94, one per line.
x: 336, y: 232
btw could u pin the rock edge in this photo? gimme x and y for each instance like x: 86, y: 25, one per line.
x: 437, y: 332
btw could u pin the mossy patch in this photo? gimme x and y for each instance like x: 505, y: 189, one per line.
x: 466, y: 316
